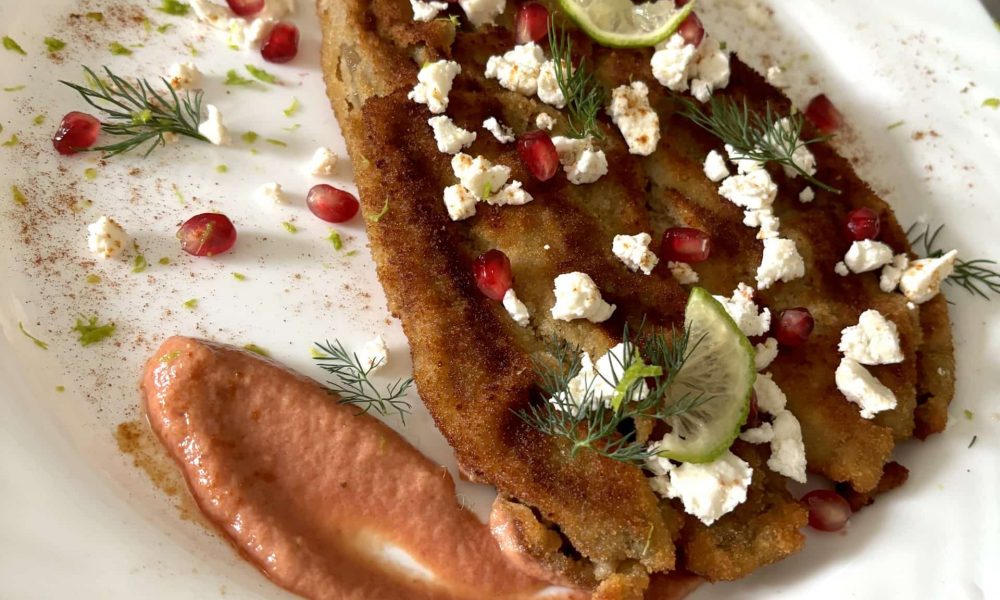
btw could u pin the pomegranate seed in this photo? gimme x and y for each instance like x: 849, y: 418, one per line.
x: 824, y: 115
x: 331, y: 204
x: 532, y: 23
x: 686, y: 244
x: 828, y: 511
x: 76, y: 131
x: 793, y: 327
x: 863, y: 224
x: 539, y: 154
x: 493, y: 274
x: 245, y: 8
x: 692, y: 30
x: 282, y: 44
x: 207, y: 234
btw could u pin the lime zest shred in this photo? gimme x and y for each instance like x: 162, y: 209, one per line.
x: 335, y: 239
x: 164, y: 261
x: 256, y: 350
x: 10, y: 44
x: 164, y: 28
x: 38, y: 120
x: 139, y: 264
x: 170, y: 357
x: 636, y: 371
x: 289, y: 227
x: 190, y: 304
x: 249, y: 137
x: 378, y: 217
x: 292, y: 108
x: 177, y: 193
x: 261, y: 75
x: 18, y: 195
x: 90, y: 173
x: 13, y: 141
x: 60, y: 388
x: 234, y: 78
x: 969, y: 414
x: 93, y: 279
x: 275, y: 142
x: 993, y: 103
x: 895, y: 125
x: 37, y: 342
x: 54, y: 44
x: 222, y: 169
x: 95, y: 16
x: 173, y: 7
x: 91, y: 332
x: 15, y: 88
x: 118, y: 49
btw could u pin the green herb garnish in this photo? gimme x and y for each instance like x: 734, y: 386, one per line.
x: 977, y: 276
x: 190, y: 304
x: 261, y: 75
x: 13, y: 141
x: 249, y: 137
x: 54, y: 44
x: 335, y: 239
x: 239, y: 277
x: 95, y: 16
x: 164, y: 28
x: 15, y: 88
x: 292, y: 108
x: 583, y: 93
x: 10, y: 44
x: 18, y: 195
x: 257, y: 350
x: 275, y: 142
x: 895, y: 125
x: 38, y: 120
x: 173, y: 7
x: 37, y: 342
x: 119, y: 50
x: 139, y: 264
x: 993, y: 103
x: 234, y: 78
x: 355, y: 387
x: 290, y: 227
x: 91, y: 332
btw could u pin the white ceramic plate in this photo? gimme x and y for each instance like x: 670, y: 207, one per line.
x: 77, y: 518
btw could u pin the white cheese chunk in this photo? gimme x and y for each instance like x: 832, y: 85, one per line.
x: 765, y: 353
x: 743, y: 163
x: 807, y: 195
x: 517, y: 70
x: 450, y: 138
x: 841, y: 269
x: 633, y: 250
x: 781, y: 262
x: 501, y: 132
x: 211, y: 13
x: 511, y: 194
x: 775, y: 75
x: 580, y: 161
x: 478, y: 175
x: 596, y: 383
x: 323, y: 162
x: 106, y: 238
x: 770, y: 398
x: 577, y: 297
x: 184, y: 76
x: 518, y: 311
x: 682, y: 272
x: 248, y: 34
x: 862, y: 388
x: 545, y: 121
x: 481, y: 12
x: 892, y: 273
x: 710, y: 490
x: 867, y: 255
x: 765, y: 220
x: 743, y: 310
x: 213, y: 128
x: 873, y: 341
x: 374, y: 355
x: 710, y: 69
x: 715, y: 167
x: 549, y: 90
x: 802, y: 157
x: 434, y: 83
x: 788, y: 452
x: 635, y: 118
x: 753, y: 191
x: 426, y: 11
x: 758, y: 435
x: 276, y: 9
x: 922, y: 279
x: 460, y: 202
x: 272, y: 193
x: 671, y: 61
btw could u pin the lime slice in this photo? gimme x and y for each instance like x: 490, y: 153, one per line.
x: 622, y: 24
x: 720, y: 366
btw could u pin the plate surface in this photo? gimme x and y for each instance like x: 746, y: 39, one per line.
x: 78, y: 517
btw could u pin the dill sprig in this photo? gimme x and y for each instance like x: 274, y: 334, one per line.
x: 595, y: 425
x: 138, y: 112
x: 977, y: 276
x: 767, y: 138
x: 583, y: 93
x: 354, y: 385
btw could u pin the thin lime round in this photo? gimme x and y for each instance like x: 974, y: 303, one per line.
x: 622, y: 24
x: 721, y: 366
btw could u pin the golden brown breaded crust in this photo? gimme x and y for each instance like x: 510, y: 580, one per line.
x: 893, y: 476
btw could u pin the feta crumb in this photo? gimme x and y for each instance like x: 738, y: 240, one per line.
x: 638, y: 122
x: 272, y: 193
x: 374, y: 355
x: 758, y: 435
x: 861, y: 388
x: 715, y: 167
x: 922, y: 279
x: 275, y: 9
x: 184, y: 76
x: 802, y: 157
x: 545, y: 121
x: 744, y: 164
x: 682, y: 272
x: 710, y: 490
x: 577, y: 297
x: 106, y: 238
x: 781, y: 261
x: 807, y: 195
x: 209, y: 12
x: 518, y: 311
x: 580, y: 161
x: 549, y: 91
x: 501, y: 132
x: 671, y: 61
x: 323, y: 162
x: 517, y: 70
x: 434, y: 83
x: 743, y: 310
x: 788, y: 452
x: 867, y: 255
x: 461, y: 204
x: 248, y: 34
x: 776, y: 76
x: 765, y: 220
x: 893, y: 273
x: 873, y: 341
x: 213, y: 128
x: 450, y: 138
x: 770, y: 398
x: 765, y: 353
x: 426, y: 11
x: 481, y: 12
x: 510, y: 195
x: 479, y: 175
x: 754, y: 190
x: 595, y: 383
x: 633, y: 250
x: 841, y: 269
x: 710, y: 68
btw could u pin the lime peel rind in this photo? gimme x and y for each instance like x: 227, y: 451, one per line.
x: 601, y: 35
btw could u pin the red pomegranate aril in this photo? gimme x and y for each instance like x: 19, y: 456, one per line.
x: 207, y: 234
x: 686, y: 244
x: 692, y: 30
x: 532, y: 23
x: 794, y: 326
x: 282, y: 43
x: 493, y: 274
x: 245, y: 8
x: 828, y: 510
x: 824, y: 115
x: 538, y: 153
x: 863, y: 224
x: 76, y: 131
x: 331, y: 204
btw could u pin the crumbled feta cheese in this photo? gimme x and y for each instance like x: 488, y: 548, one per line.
x: 596, y: 383
x: 867, y: 255
x: 184, y: 76
x: 272, y: 193
x: 481, y: 12
x: 213, y: 128
x: 802, y: 157
x: 580, y: 161
x: 106, y: 238
x: 743, y: 310
x: 434, y: 83
x: 873, y: 341
x: 776, y: 76
x: 788, y: 453
x: 765, y: 353
x: 426, y: 11
x: 715, y: 167
x: 765, y: 220
x: 460, y: 202
x: 758, y: 435
x: 754, y: 190
x: 781, y: 262
x: 638, y: 122
x: 549, y: 91
x: 770, y: 398
x: 841, y: 269
x: 922, y: 279
x: 710, y: 68
x: 893, y: 273
x: 682, y: 272
x: 275, y: 9
x: 545, y: 121
x: 670, y: 62
x: 863, y: 389
x: 743, y: 163
x: 518, y: 311
x: 501, y: 132
x: 633, y: 250
x: 807, y: 195
x: 248, y: 34
x: 510, y: 195
x: 577, y: 297
x: 710, y: 490
x: 518, y: 69
x: 479, y: 175
x: 209, y: 12
x: 374, y: 355
x: 450, y: 138
x: 323, y: 162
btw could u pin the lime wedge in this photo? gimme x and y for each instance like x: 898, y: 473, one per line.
x: 622, y: 24
x: 721, y: 366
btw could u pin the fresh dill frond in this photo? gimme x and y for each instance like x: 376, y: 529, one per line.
x: 979, y: 277
x: 354, y: 385
x: 583, y: 93
x: 764, y: 138
x: 139, y: 113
